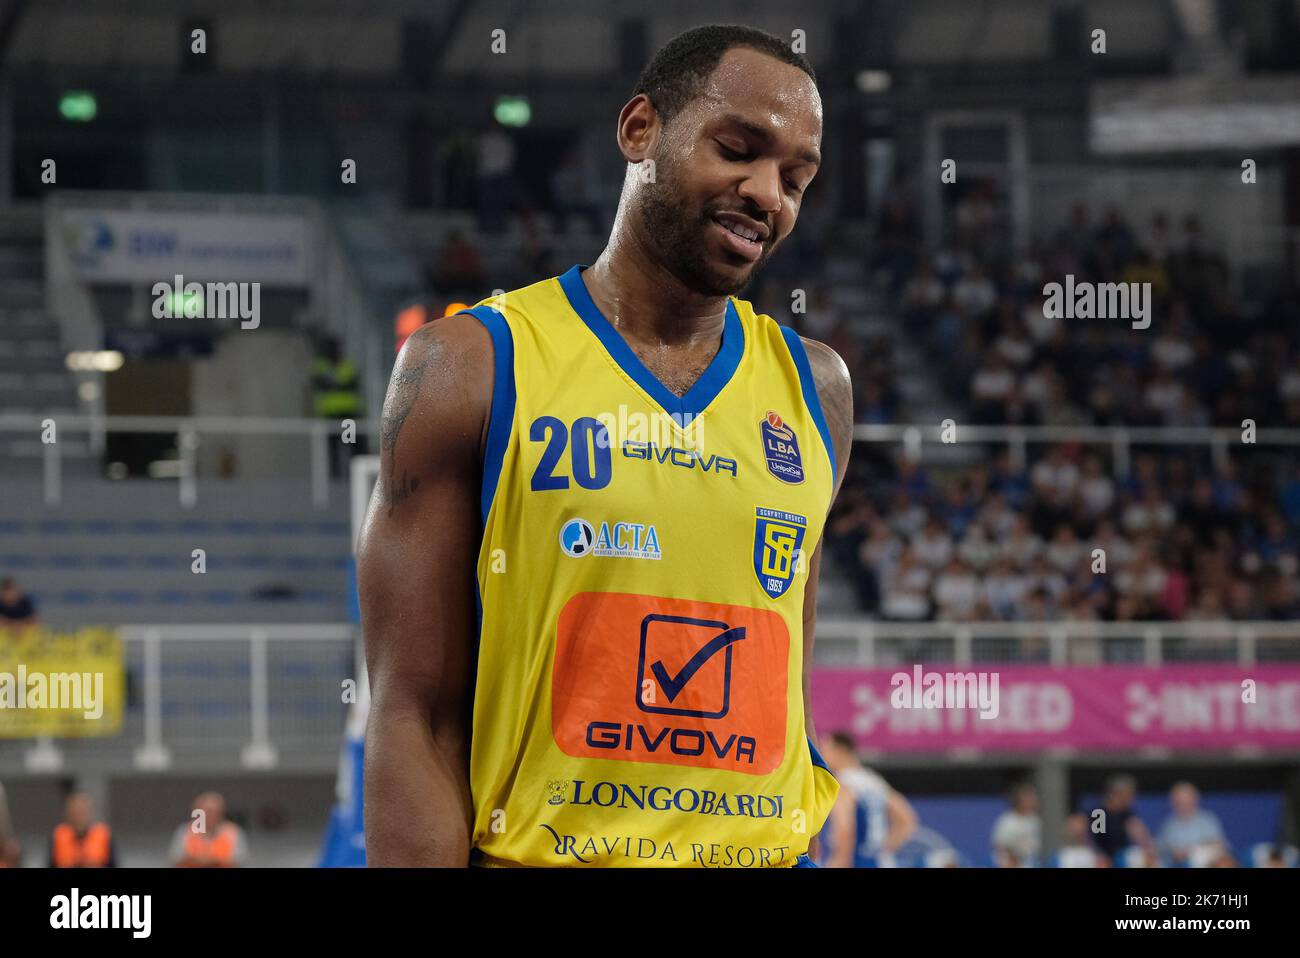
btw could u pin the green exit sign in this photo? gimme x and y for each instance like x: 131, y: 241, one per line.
x: 513, y: 111
x: 78, y: 106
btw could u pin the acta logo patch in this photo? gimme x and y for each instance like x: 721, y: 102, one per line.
x: 619, y: 540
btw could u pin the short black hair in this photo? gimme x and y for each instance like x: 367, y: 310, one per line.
x: 676, y: 74
x: 845, y: 741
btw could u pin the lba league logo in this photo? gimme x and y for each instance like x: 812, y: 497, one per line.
x: 781, y: 449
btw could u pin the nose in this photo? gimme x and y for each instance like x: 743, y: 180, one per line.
x: 763, y: 188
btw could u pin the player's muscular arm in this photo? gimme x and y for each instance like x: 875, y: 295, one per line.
x: 415, y: 576
x: 835, y: 392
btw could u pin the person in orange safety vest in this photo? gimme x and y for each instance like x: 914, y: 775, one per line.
x: 79, y: 841
x: 208, y: 840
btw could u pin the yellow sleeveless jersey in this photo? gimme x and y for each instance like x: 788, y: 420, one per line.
x: 639, y: 699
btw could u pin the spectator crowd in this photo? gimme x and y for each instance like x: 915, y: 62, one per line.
x: 1067, y: 530
x: 1113, y: 835
x: 1062, y: 538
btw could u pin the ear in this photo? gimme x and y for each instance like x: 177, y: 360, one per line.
x: 638, y: 129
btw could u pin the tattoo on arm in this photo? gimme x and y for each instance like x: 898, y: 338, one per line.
x: 403, y: 391
x: 395, y: 493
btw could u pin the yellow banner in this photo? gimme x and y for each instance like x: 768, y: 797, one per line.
x: 61, y: 684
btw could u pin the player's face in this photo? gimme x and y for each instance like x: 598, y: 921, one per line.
x: 732, y: 170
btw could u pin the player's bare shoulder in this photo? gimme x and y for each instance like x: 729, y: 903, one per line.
x: 835, y: 391
x: 438, y: 403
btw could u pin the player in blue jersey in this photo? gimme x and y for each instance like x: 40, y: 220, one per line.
x: 870, y: 820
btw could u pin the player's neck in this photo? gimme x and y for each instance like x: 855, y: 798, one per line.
x: 646, y: 302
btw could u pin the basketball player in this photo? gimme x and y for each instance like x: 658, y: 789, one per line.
x: 870, y: 820
x: 589, y: 569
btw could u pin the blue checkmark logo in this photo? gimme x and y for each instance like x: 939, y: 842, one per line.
x: 674, y: 684
x: 680, y: 633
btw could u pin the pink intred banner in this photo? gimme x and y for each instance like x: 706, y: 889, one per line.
x: 1020, y: 708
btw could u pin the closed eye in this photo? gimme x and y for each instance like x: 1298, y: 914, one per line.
x: 732, y: 154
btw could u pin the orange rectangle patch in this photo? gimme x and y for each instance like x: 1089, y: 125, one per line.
x: 671, y: 681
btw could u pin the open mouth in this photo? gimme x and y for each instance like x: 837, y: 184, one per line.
x: 742, y: 240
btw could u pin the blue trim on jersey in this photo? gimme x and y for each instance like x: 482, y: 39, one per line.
x: 814, y: 404
x: 503, y: 401
x: 706, y: 388
x: 803, y: 861
x: 817, y: 758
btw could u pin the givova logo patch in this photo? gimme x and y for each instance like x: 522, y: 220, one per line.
x: 669, y: 681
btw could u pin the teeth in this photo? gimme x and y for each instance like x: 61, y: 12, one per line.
x: 740, y: 231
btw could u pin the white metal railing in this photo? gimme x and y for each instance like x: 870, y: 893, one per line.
x: 1120, y: 439
x: 152, y: 752
x: 1090, y: 435
x: 189, y: 431
x: 842, y: 641
x: 839, y: 642
x: 259, y: 752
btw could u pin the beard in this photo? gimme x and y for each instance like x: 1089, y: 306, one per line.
x: 678, y: 234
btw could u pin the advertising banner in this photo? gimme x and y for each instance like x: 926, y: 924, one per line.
x: 60, y: 684
x: 1030, y: 708
x: 150, y: 247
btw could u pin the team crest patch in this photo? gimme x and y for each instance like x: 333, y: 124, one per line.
x: 778, y: 537
x: 556, y: 791
x: 781, y: 449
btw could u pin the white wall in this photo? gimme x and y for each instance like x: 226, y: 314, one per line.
x: 258, y: 373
